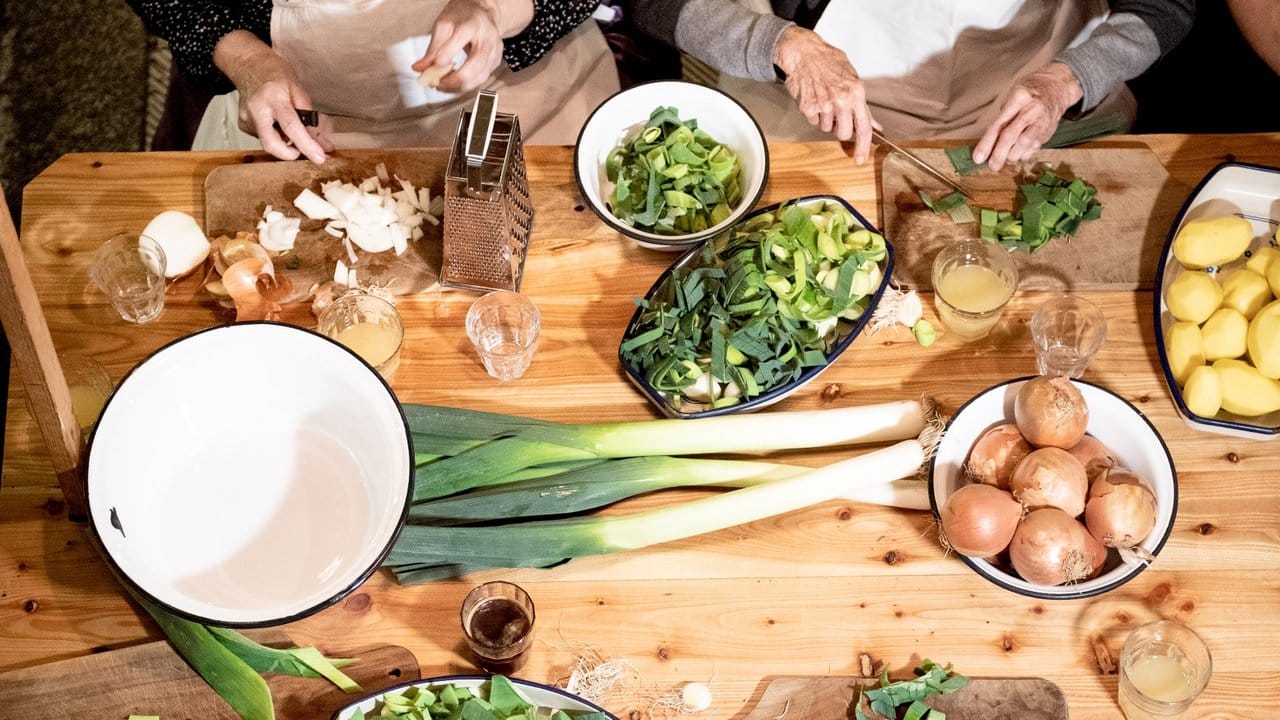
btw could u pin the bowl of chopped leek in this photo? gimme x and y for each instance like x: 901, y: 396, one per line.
x: 757, y: 312
x: 495, y: 697
x: 249, y: 475
x: 669, y: 164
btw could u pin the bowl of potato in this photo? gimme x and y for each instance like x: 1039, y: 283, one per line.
x: 1217, y: 311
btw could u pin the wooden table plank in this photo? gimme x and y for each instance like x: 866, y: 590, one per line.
x: 801, y: 594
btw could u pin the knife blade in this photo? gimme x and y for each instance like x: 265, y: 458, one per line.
x: 924, y: 165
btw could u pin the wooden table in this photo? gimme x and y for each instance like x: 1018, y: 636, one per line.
x: 802, y: 594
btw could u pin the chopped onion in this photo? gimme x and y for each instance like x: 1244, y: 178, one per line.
x: 1050, y: 477
x: 277, y: 232
x: 1052, y: 548
x: 979, y: 520
x: 996, y: 454
x: 1051, y: 411
x: 371, y: 215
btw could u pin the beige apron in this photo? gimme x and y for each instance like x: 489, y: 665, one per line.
x: 344, y: 53
x: 934, y: 68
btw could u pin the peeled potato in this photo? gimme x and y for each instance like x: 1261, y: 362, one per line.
x: 1212, y: 242
x: 1262, y: 259
x: 1193, y: 296
x: 1245, y: 391
x: 1273, y: 278
x: 1185, y: 348
x: 1263, y: 340
x: 1225, y: 334
x: 1203, y: 392
x: 1246, y: 291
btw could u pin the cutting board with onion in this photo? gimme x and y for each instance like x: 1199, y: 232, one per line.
x: 1119, y: 251
x: 235, y: 197
x: 151, y: 679
x: 831, y: 698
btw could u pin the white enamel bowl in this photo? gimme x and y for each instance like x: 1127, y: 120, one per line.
x: 249, y: 475
x: 1253, y: 193
x: 543, y: 696
x: 1115, y: 422
x: 619, y: 118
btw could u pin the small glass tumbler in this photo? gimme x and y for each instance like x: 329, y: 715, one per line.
x: 90, y: 386
x: 1164, y: 666
x: 1067, y: 331
x: 973, y: 280
x: 369, y: 326
x: 497, y: 618
x: 504, y: 328
x: 129, y: 269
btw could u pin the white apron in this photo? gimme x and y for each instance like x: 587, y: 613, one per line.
x: 934, y: 68
x: 345, y: 54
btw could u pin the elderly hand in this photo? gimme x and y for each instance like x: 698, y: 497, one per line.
x: 270, y: 97
x: 1030, y: 115
x: 826, y: 87
x: 477, y: 26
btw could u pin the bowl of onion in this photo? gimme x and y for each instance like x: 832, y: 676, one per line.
x: 249, y: 475
x: 1053, y: 488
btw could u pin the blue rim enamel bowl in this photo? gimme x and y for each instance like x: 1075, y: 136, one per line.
x: 543, y: 696
x: 1232, y: 188
x: 1115, y: 422
x: 848, y: 330
x: 620, y: 118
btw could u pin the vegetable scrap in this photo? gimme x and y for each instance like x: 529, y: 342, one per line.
x: 673, y: 178
x: 902, y: 307
x: 759, y: 306
x: 884, y: 702
x: 495, y: 699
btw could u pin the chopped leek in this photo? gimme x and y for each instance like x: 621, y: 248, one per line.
x: 961, y: 158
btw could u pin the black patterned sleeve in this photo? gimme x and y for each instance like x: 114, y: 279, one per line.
x: 552, y: 20
x: 192, y: 29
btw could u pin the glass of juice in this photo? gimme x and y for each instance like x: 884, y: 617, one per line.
x: 1164, y: 666
x: 972, y: 282
x: 497, y: 618
x: 368, y: 325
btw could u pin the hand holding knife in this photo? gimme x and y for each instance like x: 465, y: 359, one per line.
x: 918, y: 161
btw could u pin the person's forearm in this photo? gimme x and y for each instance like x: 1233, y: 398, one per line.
x: 727, y: 36
x: 542, y: 27
x: 193, y: 28
x: 1120, y: 49
x: 1259, y: 22
x: 237, y: 52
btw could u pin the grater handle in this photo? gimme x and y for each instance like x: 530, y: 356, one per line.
x: 480, y: 130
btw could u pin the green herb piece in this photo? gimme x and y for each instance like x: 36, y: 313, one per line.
x: 931, y: 679
x: 962, y: 160
x: 673, y: 178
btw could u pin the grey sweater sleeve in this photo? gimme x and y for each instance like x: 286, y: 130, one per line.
x: 727, y: 36
x: 1132, y: 39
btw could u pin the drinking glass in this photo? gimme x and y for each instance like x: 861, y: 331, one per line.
x: 129, y: 269
x: 1164, y: 666
x: 89, y: 385
x: 497, y: 618
x: 1067, y: 331
x: 973, y: 280
x: 504, y: 328
x: 368, y: 325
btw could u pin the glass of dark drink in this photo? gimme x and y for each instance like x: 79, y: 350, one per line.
x: 497, y: 618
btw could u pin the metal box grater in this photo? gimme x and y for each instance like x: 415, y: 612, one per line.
x: 488, y: 219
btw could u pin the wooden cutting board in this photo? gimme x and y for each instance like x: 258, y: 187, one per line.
x: 236, y: 195
x: 1118, y: 251
x: 151, y: 679
x: 831, y: 698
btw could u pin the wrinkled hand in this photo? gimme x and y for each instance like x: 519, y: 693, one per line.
x: 826, y: 87
x: 1030, y: 115
x: 270, y: 97
x: 477, y: 26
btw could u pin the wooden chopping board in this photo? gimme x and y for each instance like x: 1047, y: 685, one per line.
x: 236, y: 195
x: 1118, y: 251
x: 831, y: 698
x: 151, y: 679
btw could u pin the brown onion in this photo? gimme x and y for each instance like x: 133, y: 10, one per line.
x: 1121, y: 511
x: 979, y: 520
x: 1051, y: 412
x: 996, y: 454
x: 1050, y: 477
x: 1052, y: 548
x: 1093, y: 455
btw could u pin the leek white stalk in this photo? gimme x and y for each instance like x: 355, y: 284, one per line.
x: 519, y: 544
